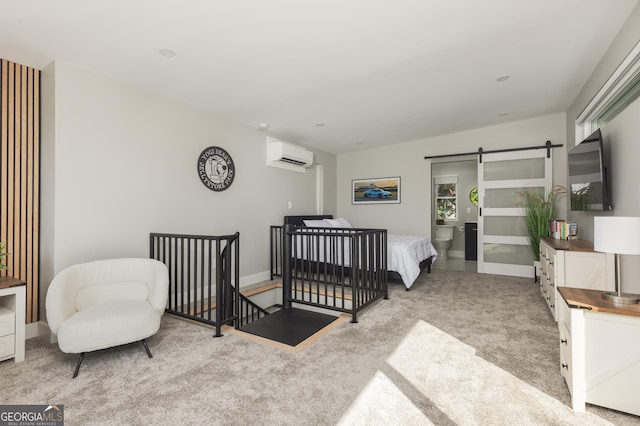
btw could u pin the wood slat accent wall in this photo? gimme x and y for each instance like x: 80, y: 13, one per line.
x: 20, y: 176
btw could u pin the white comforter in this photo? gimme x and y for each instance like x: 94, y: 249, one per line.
x: 405, y: 254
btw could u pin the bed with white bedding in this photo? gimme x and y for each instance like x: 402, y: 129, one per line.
x: 407, y: 255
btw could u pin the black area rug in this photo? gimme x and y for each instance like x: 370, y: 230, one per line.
x: 289, y: 326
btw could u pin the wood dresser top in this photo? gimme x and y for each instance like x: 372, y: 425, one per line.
x: 6, y: 282
x: 573, y: 245
x: 593, y: 299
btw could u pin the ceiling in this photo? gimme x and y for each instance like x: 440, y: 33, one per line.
x: 339, y: 75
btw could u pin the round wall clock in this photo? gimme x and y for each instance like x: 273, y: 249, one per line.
x: 216, y: 168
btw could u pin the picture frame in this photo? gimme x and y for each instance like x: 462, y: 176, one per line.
x: 385, y: 190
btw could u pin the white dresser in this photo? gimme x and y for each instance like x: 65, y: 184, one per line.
x: 572, y: 263
x: 599, y: 350
x: 12, y: 318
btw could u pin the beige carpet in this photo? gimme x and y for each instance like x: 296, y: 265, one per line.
x: 458, y: 349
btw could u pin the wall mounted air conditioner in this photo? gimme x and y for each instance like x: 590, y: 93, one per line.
x: 288, y: 156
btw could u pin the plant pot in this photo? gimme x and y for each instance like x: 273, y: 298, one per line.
x: 536, y: 270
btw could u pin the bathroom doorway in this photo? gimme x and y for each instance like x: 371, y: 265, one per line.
x: 454, y: 203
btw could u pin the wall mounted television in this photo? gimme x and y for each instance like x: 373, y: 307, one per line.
x: 588, y: 186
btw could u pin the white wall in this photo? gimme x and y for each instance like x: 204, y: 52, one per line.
x: 413, y: 214
x: 119, y: 163
x: 622, y: 136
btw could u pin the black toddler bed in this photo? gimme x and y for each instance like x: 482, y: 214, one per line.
x: 406, y: 256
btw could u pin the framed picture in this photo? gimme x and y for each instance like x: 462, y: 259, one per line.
x: 375, y: 191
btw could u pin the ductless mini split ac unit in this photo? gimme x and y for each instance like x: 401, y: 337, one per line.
x: 288, y: 156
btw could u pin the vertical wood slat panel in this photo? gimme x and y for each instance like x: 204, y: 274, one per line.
x: 10, y: 169
x: 4, y: 146
x: 35, y: 196
x: 19, y: 176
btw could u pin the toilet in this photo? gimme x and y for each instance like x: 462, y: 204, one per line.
x: 442, y: 241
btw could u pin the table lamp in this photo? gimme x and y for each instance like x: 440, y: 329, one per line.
x: 617, y: 235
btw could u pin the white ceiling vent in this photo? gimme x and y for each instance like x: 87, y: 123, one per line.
x: 288, y: 156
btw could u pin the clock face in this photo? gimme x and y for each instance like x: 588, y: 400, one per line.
x: 216, y: 168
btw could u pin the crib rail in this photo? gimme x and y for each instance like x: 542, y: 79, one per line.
x: 202, y: 273
x: 339, y: 269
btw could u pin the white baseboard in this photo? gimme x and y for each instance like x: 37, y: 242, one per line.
x: 255, y: 278
x: 41, y: 328
x: 36, y: 329
x: 456, y: 253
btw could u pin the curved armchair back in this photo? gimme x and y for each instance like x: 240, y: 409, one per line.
x: 61, y: 295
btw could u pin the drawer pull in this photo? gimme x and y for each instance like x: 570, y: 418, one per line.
x: 563, y: 341
x: 565, y: 365
x: 588, y: 308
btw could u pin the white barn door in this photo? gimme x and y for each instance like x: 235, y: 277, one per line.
x: 503, y: 246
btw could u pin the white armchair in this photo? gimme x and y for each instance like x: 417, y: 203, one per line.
x: 106, y: 303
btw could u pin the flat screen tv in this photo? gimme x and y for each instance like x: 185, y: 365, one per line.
x: 588, y: 186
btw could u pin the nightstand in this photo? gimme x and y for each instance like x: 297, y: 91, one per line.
x: 599, y: 350
x: 12, y: 318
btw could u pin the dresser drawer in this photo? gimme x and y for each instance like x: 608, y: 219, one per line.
x: 566, y: 367
x: 551, y: 271
x: 564, y: 313
x: 7, y: 346
x: 7, y: 321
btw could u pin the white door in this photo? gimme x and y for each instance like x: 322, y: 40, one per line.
x: 503, y: 246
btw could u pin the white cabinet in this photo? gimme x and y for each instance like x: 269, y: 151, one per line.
x: 572, y: 263
x: 12, y: 317
x: 599, y: 350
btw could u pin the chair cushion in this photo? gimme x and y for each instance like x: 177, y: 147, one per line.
x: 94, y: 294
x: 108, y: 324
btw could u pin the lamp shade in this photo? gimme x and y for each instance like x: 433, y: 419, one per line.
x: 616, y: 234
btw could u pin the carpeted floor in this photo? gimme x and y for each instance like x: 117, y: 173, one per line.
x: 458, y: 349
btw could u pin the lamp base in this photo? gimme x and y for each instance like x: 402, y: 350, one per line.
x: 621, y: 298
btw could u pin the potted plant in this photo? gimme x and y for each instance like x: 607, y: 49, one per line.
x: 538, y: 212
x: 3, y: 254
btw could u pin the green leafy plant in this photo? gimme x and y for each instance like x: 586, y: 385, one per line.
x: 473, y: 196
x: 538, y: 212
x: 3, y: 254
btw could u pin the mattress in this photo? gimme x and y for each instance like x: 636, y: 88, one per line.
x: 404, y: 254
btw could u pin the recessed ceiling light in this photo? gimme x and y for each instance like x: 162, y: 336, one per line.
x: 503, y: 78
x: 319, y: 124
x: 166, y: 52
x: 359, y: 143
x: 503, y: 114
x: 263, y: 126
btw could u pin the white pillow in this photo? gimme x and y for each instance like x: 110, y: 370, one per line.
x: 340, y: 222
x: 323, y: 223
x: 107, y: 292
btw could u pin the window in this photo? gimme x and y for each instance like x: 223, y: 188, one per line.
x: 446, y: 190
x: 622, y: 88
